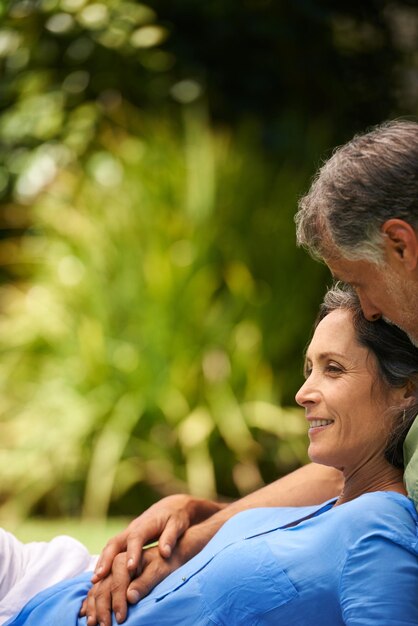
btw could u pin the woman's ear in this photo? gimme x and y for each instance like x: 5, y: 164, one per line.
x: 410, y: 394
x: 401, y: 243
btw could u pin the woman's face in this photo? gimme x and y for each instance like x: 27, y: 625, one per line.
x: 348, y: 412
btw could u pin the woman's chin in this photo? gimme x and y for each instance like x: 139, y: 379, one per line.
x: 319, y: 456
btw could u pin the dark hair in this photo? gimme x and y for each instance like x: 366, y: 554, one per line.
x: 372, y: 178
x: 396, y: 357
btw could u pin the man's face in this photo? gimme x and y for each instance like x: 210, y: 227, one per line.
x: 382, y: 292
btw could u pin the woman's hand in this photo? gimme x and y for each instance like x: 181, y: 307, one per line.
x: 120, y: 587
x: 112, y: 594
x: 165, y: 521
x: 108, y: 595
x: 155, y: 567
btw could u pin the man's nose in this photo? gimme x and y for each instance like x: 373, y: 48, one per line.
x: 370, y: 311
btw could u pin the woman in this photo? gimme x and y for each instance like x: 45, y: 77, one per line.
x: 353, y: 560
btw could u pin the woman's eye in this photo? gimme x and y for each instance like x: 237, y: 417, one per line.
x: 334, y: 369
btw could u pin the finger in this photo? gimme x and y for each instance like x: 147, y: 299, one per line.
x: 90, y: 607
x: 143, y: 530
x: 112, y: 548
x: 134, y: 548
x: 104, y: 606
x: 120, y: 582
x: 174, y: 529
x: 153, y: 573
x: 83, y: 610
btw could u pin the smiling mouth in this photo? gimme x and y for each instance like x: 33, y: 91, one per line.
x: 319, y: 423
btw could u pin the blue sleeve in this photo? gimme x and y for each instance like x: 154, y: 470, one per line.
x: 379, y: 584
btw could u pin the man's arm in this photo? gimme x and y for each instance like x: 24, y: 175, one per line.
x: 168, y: 519
x: 184, y: 525
x: 311, y: 484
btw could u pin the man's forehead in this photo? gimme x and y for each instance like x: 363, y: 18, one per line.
x: 351, y: 272
x: 341, y: 269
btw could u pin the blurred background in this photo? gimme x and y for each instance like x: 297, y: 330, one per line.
x: 154, y: 307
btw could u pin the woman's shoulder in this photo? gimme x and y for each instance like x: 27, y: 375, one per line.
x: 383, y: 502
x: 384, y: 513
x: 380, y: 575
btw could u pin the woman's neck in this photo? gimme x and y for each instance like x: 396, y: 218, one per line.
x: 376, y: 475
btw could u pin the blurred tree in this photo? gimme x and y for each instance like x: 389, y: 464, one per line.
x: 349, y: 64
x: 67, y: 63
x: 135, y: 356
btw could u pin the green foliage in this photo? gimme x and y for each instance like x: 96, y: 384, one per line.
x: 138, y: 352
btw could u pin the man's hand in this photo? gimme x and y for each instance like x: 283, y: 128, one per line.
x: 165, y: 521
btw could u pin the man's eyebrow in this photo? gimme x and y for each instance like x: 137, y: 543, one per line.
x: 341, y: 282
x: 337, y: 278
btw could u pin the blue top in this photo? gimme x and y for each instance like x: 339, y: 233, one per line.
x: 354, y: 564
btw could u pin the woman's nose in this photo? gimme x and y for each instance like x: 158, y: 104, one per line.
x: 307, y: 394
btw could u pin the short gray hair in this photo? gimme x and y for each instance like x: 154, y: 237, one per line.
x: 372, y: 178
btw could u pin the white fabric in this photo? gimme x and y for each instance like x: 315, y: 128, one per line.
x: 26, y: 569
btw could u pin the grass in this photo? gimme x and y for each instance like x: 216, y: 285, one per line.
x: 91, y: 533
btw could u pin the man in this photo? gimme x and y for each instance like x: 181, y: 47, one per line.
x: 361, y: 217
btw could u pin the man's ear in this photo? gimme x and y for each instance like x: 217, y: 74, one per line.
x: 401, y: 242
